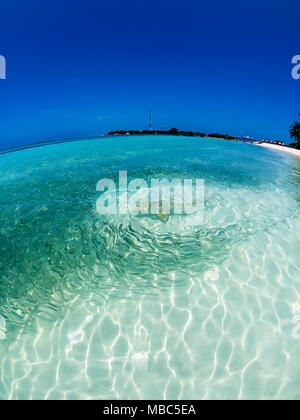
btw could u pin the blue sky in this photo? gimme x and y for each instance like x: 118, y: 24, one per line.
x: 83, y: 68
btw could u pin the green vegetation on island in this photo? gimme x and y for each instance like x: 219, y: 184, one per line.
x: 171, y: 132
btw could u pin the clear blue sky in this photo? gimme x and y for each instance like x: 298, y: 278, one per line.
x: 78, y: 68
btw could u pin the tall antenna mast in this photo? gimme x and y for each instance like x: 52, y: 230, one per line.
x: 150, y: 120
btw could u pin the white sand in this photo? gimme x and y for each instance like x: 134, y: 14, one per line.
x: 294, y: 152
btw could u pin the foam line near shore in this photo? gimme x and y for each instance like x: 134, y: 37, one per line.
x: 294, y: 152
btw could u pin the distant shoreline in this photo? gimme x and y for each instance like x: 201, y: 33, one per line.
x: 278, y: 145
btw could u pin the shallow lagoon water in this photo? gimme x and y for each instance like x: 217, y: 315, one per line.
x: 95, y: 308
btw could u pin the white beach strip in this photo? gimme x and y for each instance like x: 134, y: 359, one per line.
x: 294, y: 152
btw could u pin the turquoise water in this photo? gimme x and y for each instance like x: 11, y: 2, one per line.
x: 95, y: 308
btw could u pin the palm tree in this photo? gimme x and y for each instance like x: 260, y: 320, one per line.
x: 295, y: 131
